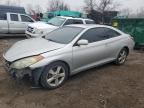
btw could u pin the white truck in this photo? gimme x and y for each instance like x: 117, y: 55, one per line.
x: 14, y: 23
x: 40, y: 29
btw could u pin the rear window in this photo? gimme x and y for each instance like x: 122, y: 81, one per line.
x: 89, y: 22
x: 14, y: 17
x: 3, y: 16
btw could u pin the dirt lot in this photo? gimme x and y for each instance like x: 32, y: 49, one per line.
x: 108, y: 86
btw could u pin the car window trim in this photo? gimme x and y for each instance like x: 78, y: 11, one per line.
x: 75, y: 44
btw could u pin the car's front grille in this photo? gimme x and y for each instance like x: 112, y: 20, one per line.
x: 30, y: 29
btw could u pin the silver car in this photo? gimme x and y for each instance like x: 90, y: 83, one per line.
x: 67, y: 51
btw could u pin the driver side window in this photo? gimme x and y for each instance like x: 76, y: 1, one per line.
x: 94, y: 35
x: 26, y: 19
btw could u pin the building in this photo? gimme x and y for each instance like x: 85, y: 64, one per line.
x: 13, y: 9
x: 104, y: 18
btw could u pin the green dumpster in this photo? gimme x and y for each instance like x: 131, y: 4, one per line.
x: 132, y: 26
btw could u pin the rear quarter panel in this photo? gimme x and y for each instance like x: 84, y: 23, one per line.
x: 4, y: 26
x: 127, y: 41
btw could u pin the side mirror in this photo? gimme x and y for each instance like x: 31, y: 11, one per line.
x: 82, y: 42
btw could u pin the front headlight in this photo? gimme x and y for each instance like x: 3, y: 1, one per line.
x: 26, y: 62
x: 38, y: 31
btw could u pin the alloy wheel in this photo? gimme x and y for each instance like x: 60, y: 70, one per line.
x: 56, y: 76
x: 122, y: 56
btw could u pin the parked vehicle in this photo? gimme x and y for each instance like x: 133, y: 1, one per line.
x: 67, y: 51
x: 14, y: 23
x: 40, y: 29
x: 133, y: 26
x: 12, y: 9
x: 47, y: 16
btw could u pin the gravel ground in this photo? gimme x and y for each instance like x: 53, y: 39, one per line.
x: 108, y: 86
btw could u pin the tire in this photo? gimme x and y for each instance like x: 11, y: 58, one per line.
x: 54, y: 75
x: 122, y: 56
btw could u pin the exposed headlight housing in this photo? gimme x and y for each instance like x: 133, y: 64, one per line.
x: 26, y: 62
x: 38, y: 31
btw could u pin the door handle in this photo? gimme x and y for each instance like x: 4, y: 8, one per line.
x: 11, y: 23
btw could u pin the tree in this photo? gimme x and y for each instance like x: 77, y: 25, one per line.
x: 10, y: 3
x: 38, y: 9
x: 57, y: 5
x: 30, y: 9
x: 140, y: 13
x: 100, y: 6
x: 104, y: 5
x: 125, y: 12
x: 90, y: 5
x: 13, y: 2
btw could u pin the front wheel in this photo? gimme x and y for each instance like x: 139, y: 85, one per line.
x: 121, y: 59
x: 54, y: 75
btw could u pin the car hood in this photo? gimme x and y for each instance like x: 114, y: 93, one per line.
x: 42, y: 25
x: 30, y: 47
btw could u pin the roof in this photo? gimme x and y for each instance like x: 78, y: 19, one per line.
x: 6, y: 6
x: 15, y: 9
x: 67, y: 17
x: 89, y: 26
x: 120, y: 18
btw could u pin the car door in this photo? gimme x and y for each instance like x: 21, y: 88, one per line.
x: 14, y: 24
x: 25, y: 20
x: 92, y: 54
x: 113, y: 43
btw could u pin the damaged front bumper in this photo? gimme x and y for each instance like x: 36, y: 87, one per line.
x: 26, y: 72
x: 18, y: 73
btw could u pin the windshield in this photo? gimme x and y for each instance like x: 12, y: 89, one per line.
x: 57, y: 21
x: 64, y: 35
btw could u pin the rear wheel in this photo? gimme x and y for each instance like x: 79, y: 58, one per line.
x: 54, y: 75
x: 121, y: 59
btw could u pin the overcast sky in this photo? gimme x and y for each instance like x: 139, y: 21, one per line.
x: 133, y: 5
